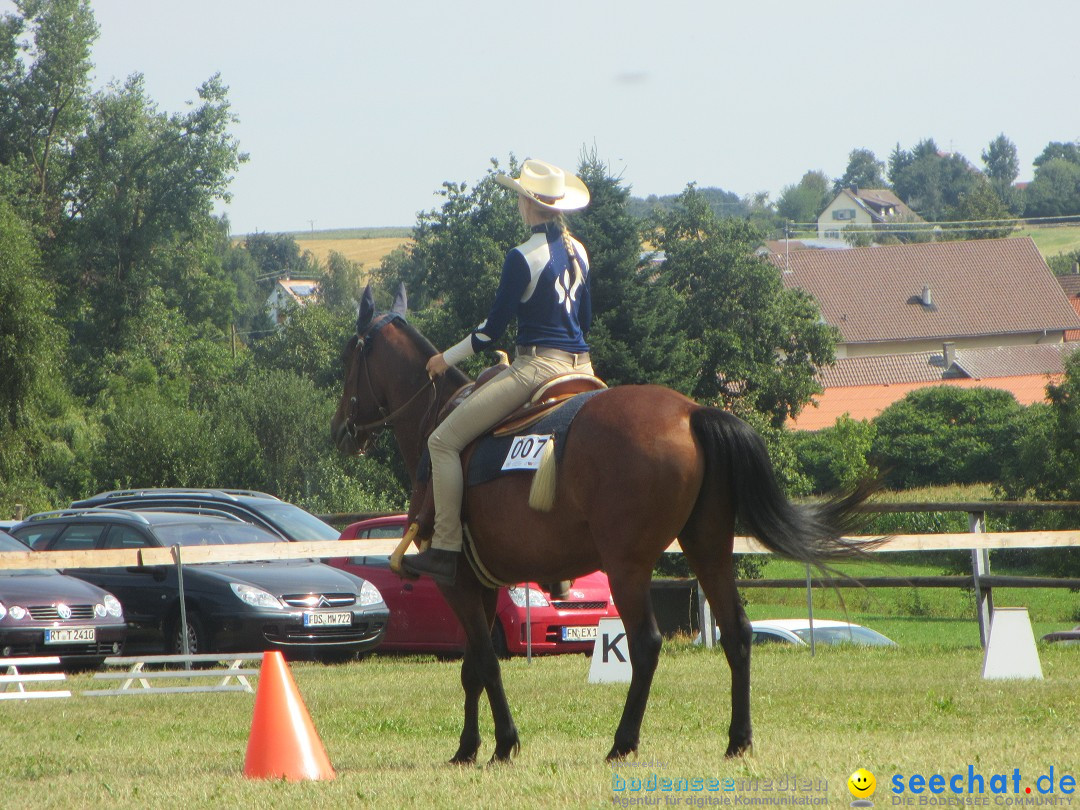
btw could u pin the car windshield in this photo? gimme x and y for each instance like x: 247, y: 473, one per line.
x: 212, y: 533
x: 844, y: 635
x: 295, y: 522
x: 9, y: 543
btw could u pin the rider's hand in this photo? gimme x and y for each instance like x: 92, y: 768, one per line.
x: 437, y: 366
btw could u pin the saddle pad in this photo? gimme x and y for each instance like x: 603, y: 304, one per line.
x: 491, y: 451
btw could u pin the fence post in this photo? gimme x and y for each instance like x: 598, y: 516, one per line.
x: 184, y: 648
x: 705, y: 618
x: 980, y: 567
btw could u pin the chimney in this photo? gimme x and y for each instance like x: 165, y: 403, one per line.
x: 1076, y: 268
x: 927, y: 299
x: 948, y: 352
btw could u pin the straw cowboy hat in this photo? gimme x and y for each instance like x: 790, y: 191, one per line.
x: 548, y: 185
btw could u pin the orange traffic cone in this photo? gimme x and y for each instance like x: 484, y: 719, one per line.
x: 283, y: 741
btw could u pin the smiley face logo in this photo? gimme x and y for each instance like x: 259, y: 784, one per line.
x: 862, y: 784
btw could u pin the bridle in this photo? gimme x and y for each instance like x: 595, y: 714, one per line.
x: 387, y: 419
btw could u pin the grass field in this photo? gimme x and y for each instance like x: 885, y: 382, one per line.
x: 369, y: 251
x: 389, y: 724
x: 1053, y: 239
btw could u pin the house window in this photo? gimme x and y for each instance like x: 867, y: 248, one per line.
x: 844, y: 213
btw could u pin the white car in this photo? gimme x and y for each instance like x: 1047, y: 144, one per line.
x: 826, y: 631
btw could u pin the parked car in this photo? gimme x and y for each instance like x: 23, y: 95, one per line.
x: 422, y: 621
x: 1064, y: 636
x: 284, y: 519
x: 301, y: 607
x: 826, y: 631
x: 44, y: 613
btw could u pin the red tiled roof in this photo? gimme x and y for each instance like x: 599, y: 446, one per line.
x: 977, y: 288
x: 867, y: 401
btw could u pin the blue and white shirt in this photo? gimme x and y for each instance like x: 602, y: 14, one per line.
x: 539, y: 287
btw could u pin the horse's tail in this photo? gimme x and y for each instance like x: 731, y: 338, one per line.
x: 808, y: 533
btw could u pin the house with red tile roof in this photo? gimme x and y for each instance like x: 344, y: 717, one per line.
x: 978, y: 313
x: 1070, y: 285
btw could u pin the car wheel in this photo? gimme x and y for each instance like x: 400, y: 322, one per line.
x: 198, y: 642
x: 498, y: 640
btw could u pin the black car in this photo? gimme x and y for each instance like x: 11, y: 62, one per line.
x: 304, y: 608
x: 44, y: 613
x: 279, y: 517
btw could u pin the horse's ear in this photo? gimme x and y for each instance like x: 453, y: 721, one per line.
x: 367, y: 310
x: 401, y: 301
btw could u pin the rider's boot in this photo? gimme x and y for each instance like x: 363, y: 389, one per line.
x: 437, y: 563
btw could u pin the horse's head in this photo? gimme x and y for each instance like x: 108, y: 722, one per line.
x: 370, y: 372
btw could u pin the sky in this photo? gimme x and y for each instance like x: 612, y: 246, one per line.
x: 354, y: 113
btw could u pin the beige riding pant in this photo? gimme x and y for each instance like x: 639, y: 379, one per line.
x: 478, y: 413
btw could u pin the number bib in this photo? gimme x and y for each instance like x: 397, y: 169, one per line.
x: 525, y: 452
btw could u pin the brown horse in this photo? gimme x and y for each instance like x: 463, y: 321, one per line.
x: 642, y: 465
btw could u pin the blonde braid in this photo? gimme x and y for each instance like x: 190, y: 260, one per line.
x: 571, y: 254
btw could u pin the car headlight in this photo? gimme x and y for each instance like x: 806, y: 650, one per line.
x: 113, y: 606
x: 519, y: 595
x: 256, y: 597
x: 3, y: 610
x: 15, y: 611
x: 369, y: 594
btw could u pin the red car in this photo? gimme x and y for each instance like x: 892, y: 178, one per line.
x: 422, y: 622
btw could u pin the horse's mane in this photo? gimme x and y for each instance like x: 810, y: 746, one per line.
x: 428, y: 349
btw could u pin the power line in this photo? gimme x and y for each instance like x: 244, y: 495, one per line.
x: 1018, y: 222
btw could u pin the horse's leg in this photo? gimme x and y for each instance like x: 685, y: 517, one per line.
x: 709, y: 553
x: 630, y: 589
x: 474, y: 607
x: 472, y: 681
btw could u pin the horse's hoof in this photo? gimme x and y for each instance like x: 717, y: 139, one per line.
x: 462, y: 759
x: 617, y: 754
x: 738, y: 749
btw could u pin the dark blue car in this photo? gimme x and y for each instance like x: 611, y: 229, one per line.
x: 304, y: 608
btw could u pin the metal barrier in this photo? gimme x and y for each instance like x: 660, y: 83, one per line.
x: 136, y: 679
x: 13, y: 677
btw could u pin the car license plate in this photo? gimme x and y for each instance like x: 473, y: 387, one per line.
x: 579, y: 633
x: 327, y: 619
x: 71, y: 635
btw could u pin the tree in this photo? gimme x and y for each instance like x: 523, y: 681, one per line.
x: 803, y: 202
x: 1002, y: 168
x: 945, y: 434
x: 981, y: 205
x: 1057, y: 150
x: 451, y: 270
x: 342, y: 283
x: 758, y: 344
x: 1002, y: 163
x: 45, y: 106
x: 1055, y: 189
x: 27, y: 332
x: 632, y: 339
x: 930, y: 182
x: 278, y: 255
x: 864, y: 170
x: 143, y: 205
